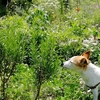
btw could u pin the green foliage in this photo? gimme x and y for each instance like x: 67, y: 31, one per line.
x: 21, y: 85
x: 38, y: 19
x: 69, y: 49
x: 45, y: 59
x: 12, y: 48
x: 12, y: 37
x: 33, y: 45
x: 18, y: 6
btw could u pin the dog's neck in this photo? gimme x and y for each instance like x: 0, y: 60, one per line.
x: 90, y: 73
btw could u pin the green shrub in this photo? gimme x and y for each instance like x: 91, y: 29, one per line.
x: 45, y: 60
x: 12, y: 48
x: 21, y: 84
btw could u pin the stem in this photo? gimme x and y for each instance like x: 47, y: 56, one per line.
x: 11, y: 72
x: 38, y: 91
x: 5, y: 79
x: 3, y: 89
x: 40, y: 79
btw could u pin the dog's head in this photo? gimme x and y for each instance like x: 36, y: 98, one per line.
x: 78, y: 62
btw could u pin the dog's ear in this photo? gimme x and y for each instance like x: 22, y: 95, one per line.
x: 84, y: 62
x: 87, y: 54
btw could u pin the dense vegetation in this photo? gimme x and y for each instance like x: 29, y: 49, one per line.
x: 36, y: 37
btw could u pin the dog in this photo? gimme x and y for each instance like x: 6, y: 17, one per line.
x: 89, y: 72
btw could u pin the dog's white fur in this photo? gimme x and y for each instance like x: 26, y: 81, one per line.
x: 88, y: 71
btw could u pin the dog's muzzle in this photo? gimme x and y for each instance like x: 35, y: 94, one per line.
x: 62, y: 63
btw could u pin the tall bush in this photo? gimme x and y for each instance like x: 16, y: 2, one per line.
x: 45, y: 60
x: 11, y: 48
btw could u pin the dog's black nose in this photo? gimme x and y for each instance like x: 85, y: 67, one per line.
x: 62, y: 63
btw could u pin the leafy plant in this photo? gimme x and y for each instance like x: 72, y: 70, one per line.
x: 21, y: 83
x: 12, y: 50
x: 38, y: 19
x: 45, y: 61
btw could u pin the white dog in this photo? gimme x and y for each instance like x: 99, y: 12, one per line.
x: 88, y: 71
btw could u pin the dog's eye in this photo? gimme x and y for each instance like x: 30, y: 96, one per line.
x: 71, y: 61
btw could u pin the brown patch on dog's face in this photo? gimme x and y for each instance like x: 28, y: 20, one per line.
x: 78, y: 62
x: 81, y: 61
